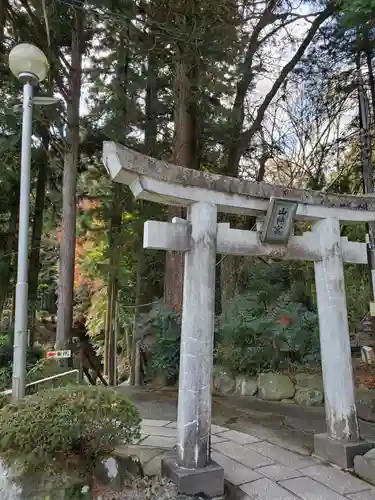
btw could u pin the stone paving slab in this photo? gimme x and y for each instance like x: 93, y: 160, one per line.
x: 308, y: 489
x: 239, y: 437
x: 335, y: 479
x: 156, y: 423
x: 159, y: 442
x: 216, y: 438
x: 363, y: 495
x: 216, y: 429
x: 239, y: 453
x: 172, y: 425
x: 158, y: 431
x: 260, y: 469
x: 278, y: 472
x: 281, y: 455
x: 234, y: 472
x: 272, y: 436
x: 265, y: 489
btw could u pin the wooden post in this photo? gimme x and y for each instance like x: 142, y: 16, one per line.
x: 137, y: 364
x: 81, y: 357
x: 135, y: 357
x: 112, y: 365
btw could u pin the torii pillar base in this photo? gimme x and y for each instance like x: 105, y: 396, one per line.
x: 207, y: 481
x: 340, y: 451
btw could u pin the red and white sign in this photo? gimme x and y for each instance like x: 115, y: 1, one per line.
x: 59, y: 354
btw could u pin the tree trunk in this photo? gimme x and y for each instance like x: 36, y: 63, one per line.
x: 115, y: 247
x: 114, y: 235
x: 9, y: 249
x: 36, y: 235
x: 67, y: 246
x: 107, y: 328
x: 3, y: 16
x: 151, y: 128
x: 228, y: 279
x: 134, y: 354
x: 185, y: 154
x: 112, y: 348
x: 371, y: 79
x: 135, y: 372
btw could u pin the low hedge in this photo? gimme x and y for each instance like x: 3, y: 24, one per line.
x: 66, y: 427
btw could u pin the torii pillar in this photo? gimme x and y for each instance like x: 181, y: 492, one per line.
x: 341, y: 443
x: 192, y: 468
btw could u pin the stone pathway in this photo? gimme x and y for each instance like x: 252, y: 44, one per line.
x: 260, y: 469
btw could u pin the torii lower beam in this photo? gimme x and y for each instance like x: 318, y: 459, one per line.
x: 176, y: 237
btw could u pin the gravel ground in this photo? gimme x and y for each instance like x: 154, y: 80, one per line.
x: 148, y: 488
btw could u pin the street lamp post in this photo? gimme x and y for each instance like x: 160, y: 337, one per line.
x: 30, y: 66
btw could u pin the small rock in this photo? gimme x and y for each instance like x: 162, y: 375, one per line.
x: 275, y: 387
x: 309, y: 397
x: 309, y: 381
x: 224, y: 383
x: 246, y: 386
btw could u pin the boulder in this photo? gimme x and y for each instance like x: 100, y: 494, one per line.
x: 275, y: 387
x: 309, y: 397
x: 8, y: 486
x: 246, y: 386
x: 224, y: 383
x: 309, y: 381
x: 113, y: 471
x: 364, y: 467
x: 60, y: 486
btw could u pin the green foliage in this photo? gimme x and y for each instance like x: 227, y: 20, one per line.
x: 34, y: 355
x: 65, y: 427
x: 165, y: 323
x: 95, y: 316
x: 358, y: 12
x: 269, y: 326
x: 3, y: 400
x: 358, y: 294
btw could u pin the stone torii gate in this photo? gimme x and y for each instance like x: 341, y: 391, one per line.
x: 200, y: 237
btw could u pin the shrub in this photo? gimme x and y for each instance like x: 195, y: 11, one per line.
x: 67, y: 426
x: 166, y: 324
x: 255, y: 335
x: 4, y: 400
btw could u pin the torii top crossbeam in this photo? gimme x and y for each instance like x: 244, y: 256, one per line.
x: 162, y: 182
